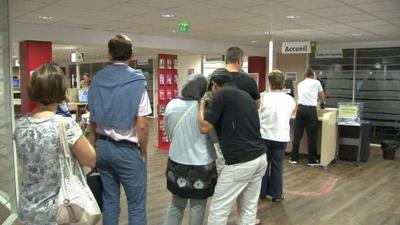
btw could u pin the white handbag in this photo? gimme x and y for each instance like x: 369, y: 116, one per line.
x: 76, y: 204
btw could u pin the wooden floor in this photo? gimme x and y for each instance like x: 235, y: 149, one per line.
x: 344, y: 194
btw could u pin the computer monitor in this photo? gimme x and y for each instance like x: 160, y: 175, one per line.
x: 83, y: 95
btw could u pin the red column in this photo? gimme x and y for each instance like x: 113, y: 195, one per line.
x: 32, y: 54
x: 258, y: 64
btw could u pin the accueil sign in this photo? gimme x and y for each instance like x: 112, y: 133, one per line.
x: 296, y: 47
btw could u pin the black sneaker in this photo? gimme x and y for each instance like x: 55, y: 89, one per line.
x: 314, y: 163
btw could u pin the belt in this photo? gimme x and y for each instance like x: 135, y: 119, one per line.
x: 309, y: 106
x: 107, y: 138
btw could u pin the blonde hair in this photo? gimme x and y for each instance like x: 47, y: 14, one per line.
x: 276, y: 79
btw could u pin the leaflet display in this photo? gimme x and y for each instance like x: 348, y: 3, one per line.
x: 167, y: 90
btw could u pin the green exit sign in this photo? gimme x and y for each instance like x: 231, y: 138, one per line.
x: 184, y: 27
x: 313, y: 46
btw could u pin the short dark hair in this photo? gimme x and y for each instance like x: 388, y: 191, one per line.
x: 233, y: 54
x: 47, y: 85
x: 221, y: 77
x: 120, y: 47
x: 276, y: 79
x: 309, y: 73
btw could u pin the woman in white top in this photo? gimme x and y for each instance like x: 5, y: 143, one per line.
x: 275, y: 111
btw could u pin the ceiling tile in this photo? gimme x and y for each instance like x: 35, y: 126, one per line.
x: 387, y: 14
x: 255, y: 20
x: 339, y: 29
x: 353, y: 18
x: 35, y: 18
x: 394, y: 21
x: 336, y: 11
x: 269, y: 10
x: 314, y: 22
x: 380, y: 30
x: 280, y: 26
x: 312, y: 4
x: 359, y: 1
x: 372, y: 24
x: 231, y: 14
x: 379, y: 6
x: 77, y: 21
x: 17, y: 5
x: 199, y: 9
x: 169, y: 4
x: 129, y: 9
x: 56, y: 9
x: 237, y: 4
x: 44, y: 1
x: 106, y: 15
x: 17, y: 13
x: 88, y: 4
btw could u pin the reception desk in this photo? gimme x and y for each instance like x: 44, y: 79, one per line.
x: 326, y: 138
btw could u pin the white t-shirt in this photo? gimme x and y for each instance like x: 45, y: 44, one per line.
x: 127, y: 134
x: 275, y: 111
x: 308, y: 91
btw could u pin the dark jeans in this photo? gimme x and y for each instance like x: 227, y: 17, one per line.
x: 272, y: 180
x: 121, y: 163
x: 306, y: 117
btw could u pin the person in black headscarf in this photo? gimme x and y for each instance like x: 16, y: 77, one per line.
x: 191, y: 172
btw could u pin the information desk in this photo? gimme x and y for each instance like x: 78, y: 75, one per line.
x: 326, y: 138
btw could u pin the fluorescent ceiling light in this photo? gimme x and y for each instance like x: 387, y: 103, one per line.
x: 63, y: 47
x: 174, y: 31
x: 357, y: 34
x: 168, y: 15
x: 46, y: 17
x: 292, y: 17
x: 253, y: 42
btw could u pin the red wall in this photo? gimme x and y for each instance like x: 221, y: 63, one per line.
x: 32, y: 54
x: 258, y: 64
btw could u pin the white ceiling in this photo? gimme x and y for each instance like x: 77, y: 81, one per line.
x: 240, y: 22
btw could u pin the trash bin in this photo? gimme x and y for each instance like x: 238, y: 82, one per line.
x: 389, y: 148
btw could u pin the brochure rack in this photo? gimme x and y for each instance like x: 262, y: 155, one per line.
x: 167, y: 77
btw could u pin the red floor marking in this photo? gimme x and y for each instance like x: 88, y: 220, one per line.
x: 328, y: 186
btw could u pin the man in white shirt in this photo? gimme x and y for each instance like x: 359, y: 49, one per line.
x: 306, y: 117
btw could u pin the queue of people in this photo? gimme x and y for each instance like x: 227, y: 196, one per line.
x: 227, y: 140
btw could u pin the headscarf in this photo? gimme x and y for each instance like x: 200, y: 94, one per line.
x: 194, y: 88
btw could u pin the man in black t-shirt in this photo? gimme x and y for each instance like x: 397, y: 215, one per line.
x: 234, y: 115
x: 234, y: 63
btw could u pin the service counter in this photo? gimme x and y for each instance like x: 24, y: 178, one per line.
x: 326, y: 138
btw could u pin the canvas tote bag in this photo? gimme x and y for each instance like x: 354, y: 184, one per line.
x: 76, y: 204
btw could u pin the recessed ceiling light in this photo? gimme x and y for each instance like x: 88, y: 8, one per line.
x: 168, y: 15
x: 46, y: 17
x: 291, y: 17
x: 357, y: 34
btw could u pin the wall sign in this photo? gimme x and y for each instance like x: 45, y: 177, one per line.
x: 329, y: 54
x: 296, y: 47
